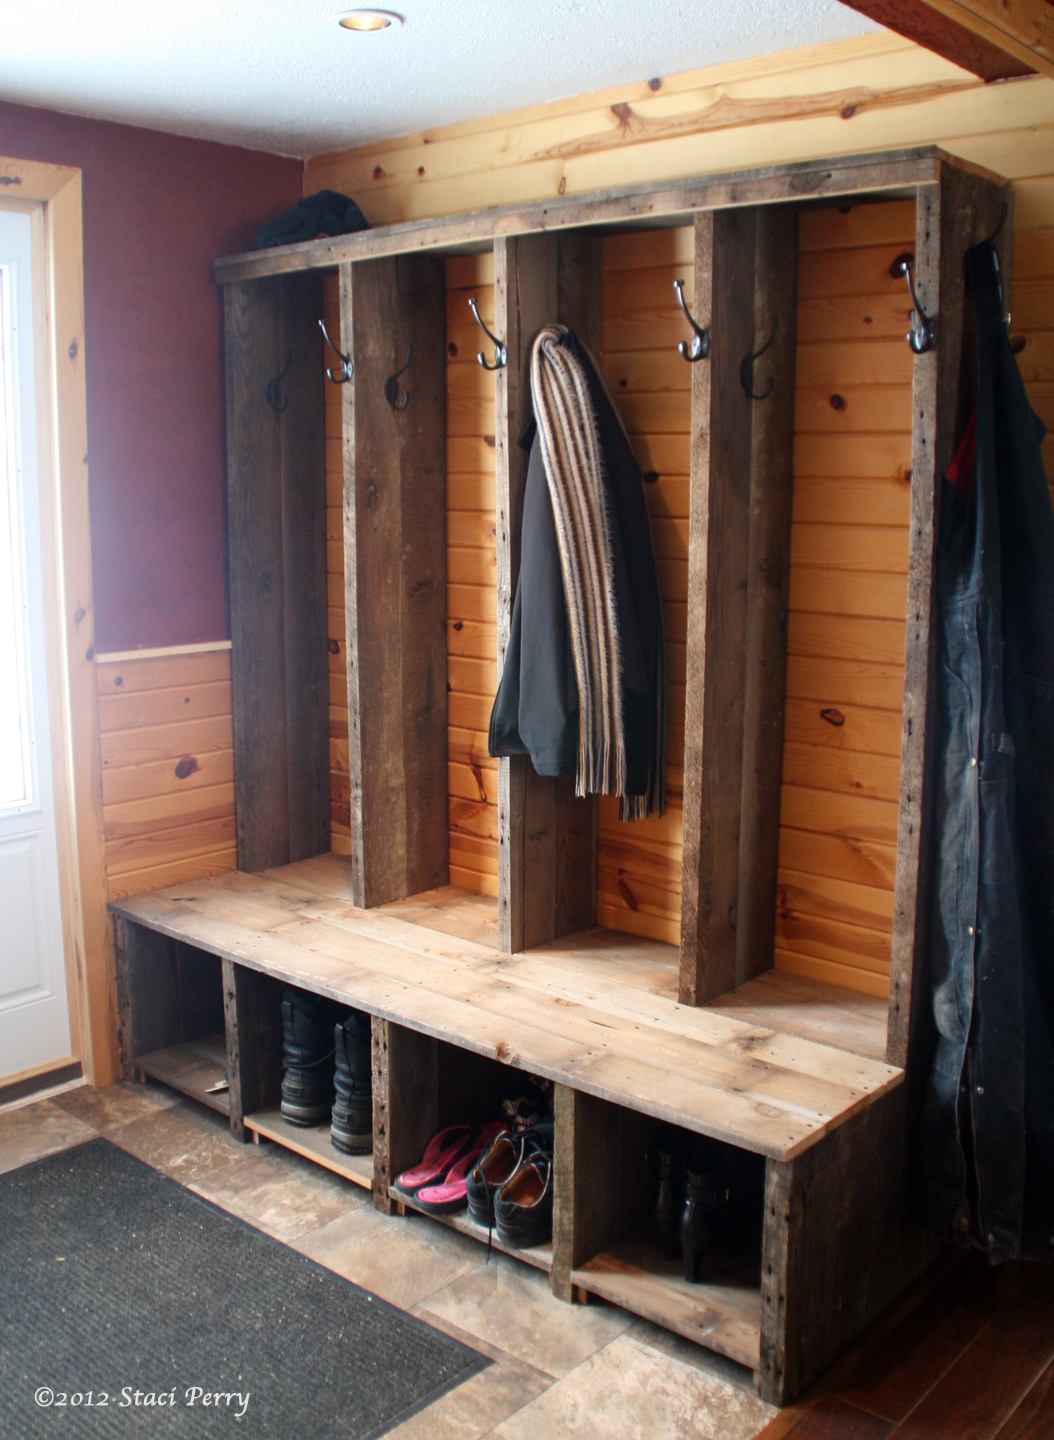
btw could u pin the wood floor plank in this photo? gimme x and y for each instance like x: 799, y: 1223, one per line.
x: 833, y: 1419
x: 891, y: 1379
x: 1034, y: 1417
x: 992, y: 1376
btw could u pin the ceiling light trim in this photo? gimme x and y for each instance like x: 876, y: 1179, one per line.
x: 368, y: 22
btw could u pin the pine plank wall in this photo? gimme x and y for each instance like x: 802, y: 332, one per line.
x: 165, y: 718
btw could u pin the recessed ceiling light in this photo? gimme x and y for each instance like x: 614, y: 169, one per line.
x: 367, y: 19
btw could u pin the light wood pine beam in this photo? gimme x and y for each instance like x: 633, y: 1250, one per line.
x: 995, y: 39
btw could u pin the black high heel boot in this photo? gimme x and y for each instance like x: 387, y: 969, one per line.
x: 666, y: 1204
x: 665, y: 1158
x: 704, y: 1200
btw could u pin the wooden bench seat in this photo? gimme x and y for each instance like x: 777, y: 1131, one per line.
x: 595, y: 1012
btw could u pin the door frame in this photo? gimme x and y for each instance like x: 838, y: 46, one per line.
x: 52, y: 196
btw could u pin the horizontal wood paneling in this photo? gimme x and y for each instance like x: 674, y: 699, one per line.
x: 339, y: 810
x: 167, y: 769
x: 848, y: 598
x: 639, y: 864
x: 472, y: 598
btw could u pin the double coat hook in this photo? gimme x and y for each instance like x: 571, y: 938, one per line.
x: 272, y: 387
x: 501, y: 354
x: 347, y: 369
x: 698, y: 348
x: 391, y: 385
x: 923, y: 333
x: 746, y: 367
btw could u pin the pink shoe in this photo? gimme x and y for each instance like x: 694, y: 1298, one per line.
x: 441, y: 1152
x: 452, y: 1193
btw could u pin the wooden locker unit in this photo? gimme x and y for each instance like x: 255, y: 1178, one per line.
x: 800, y: 1077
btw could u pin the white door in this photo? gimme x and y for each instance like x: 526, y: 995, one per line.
x: 34, y: 1015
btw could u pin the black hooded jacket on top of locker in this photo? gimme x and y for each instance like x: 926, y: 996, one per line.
x: 536, y: 708
x: 987, y: 1134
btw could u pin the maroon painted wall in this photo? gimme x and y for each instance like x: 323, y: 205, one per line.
x: 158, y: 209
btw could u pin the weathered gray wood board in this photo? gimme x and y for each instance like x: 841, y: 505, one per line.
x: 738, y: 564
x: 276, y: 524
x: 395, y: 576
x: 665, y: 201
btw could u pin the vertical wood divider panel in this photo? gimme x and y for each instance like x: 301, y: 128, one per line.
x: 951, y: 216
x: 252, y: 1012
x: 303, y: 458
x: 147, y: 992
x: 546, y: 835
x: 838, y: 1245
x: 600, y: 1180
x: 276, y: 531
x: 395, y: 577
x: 405, y: 1103
x: 718, y: 559
x: 768, y: 584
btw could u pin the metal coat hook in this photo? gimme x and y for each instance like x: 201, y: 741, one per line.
x: 501, y: 354
x: 698, y: 348
x: 923, y: 333
x: 746, y: 367
x: 391, y: 385
x: 272, y: 387
x: 347, y: 369
x: 1004, y: 211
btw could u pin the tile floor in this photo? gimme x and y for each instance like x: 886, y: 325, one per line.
x: 587, y: 1371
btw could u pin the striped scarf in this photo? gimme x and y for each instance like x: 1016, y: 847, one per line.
x: 574, y: 469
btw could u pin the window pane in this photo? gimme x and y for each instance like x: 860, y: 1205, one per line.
x: 16, y: 769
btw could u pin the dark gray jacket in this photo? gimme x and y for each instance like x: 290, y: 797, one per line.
x: 986, y: 1158
x: 536, y: 708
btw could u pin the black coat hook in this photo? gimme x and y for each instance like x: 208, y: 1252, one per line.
x: 501, y: 354
x: 391, y: 385
x: 272, y: 387
x: 698, y: 348
x: 746, y: 367
x: 1003, y: 213
x: 347, y: 369
x: 923, y: 333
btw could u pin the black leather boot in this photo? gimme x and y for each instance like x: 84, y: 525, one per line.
x: 351, y: 1129
x: 705, y: 1202
x: 307, y: 1057
x: 667, y: 1162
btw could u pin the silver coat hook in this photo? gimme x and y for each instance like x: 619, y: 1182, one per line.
x: 501, y: 354
x: 391, y: 385
x: 698, y: 348
x: 347, y: 369
x: 923, y: 333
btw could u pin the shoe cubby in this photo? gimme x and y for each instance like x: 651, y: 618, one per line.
x: 611, y: 1235
x: 170, y: 1003
x: 450, y: 1086
x: 254, y: 1018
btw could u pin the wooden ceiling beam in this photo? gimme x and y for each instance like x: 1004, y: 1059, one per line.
x: 995, y: 39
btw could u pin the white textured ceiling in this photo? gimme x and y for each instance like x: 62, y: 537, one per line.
x: 281, y: 75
